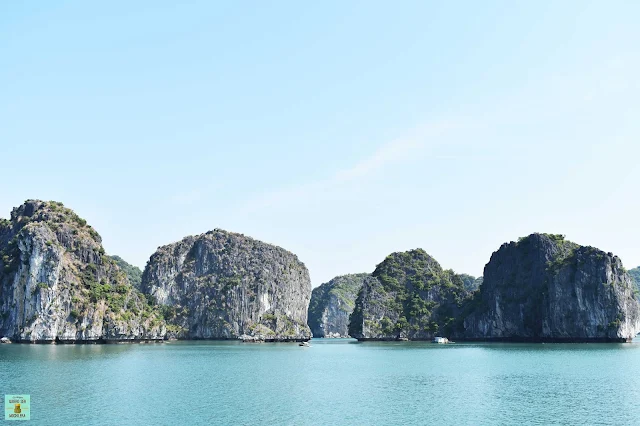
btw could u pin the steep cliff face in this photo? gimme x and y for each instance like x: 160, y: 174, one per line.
x: 409, y: 296
x: 222, y: 285
x: 332, y: 303
x: 56, y: 284
x: 544, y: 288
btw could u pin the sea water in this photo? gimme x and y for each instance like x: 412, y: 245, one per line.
x: 333, y: 382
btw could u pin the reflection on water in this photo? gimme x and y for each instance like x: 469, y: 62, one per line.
x: 332, y: 382
x: 61, y: 353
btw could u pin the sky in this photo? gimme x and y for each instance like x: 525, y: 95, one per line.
x: 341, y: 131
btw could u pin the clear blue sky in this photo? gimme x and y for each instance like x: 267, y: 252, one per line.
x: 342, y: 131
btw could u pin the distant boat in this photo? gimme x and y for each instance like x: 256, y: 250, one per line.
x: 438, y: 339
x: 305, y: 344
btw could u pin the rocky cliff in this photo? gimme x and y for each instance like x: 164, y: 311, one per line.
x: 57, y: 284
x: 544, y: 288
x: 332, y: 303
x: 408, y: 296
x: 222, y: 285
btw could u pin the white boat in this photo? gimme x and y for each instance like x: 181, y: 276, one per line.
x: 438, y: 339
x: 305, y: 344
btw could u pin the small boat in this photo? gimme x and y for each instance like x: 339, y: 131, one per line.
x: 438, y: 339
x: 305, y: 344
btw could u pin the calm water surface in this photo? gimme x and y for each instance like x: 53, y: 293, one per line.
x: 333, y: 382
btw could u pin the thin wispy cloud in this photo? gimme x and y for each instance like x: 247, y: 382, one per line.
x: 396, y: 151
x: 456, y: 138
x: 411, y: 146
x: 393, y: 152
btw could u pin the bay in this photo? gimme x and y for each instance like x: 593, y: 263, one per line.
x: 333, y: 382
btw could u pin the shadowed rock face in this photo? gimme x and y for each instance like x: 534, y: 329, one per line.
x: 409, y: 296
x: 332, y: 303
x: 222, y: 285
x: 56, y: 284
x: 543, y: 288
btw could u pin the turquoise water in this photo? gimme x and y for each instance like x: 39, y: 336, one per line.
x: 333, y: 382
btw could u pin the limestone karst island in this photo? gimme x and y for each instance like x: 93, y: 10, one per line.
x: 336, y: 213
x: 59, y: 285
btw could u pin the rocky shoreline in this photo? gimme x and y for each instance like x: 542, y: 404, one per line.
x: 509, y: 340
x: 58, y: 285
x: 246, y: 339
x: 89, y: 342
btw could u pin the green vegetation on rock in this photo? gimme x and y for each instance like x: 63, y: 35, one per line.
x: 470, y: 283
x: 409, y: 296
x: 88, y: 297
x: 133, y: 272
x: 635, y: 275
